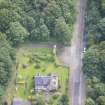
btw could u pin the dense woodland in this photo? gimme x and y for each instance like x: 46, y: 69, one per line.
x: 94, y: 58
x: 37, y: 20
x: 31, y: 20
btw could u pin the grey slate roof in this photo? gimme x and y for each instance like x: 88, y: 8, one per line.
x: 46, y: 83
x: 42, y: 80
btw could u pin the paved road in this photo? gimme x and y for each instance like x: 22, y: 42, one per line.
x: 72, y: 57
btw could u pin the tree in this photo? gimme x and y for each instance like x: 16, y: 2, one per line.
x: 28, y: 22
x: 101, y: 100
x: 62, y: 31
x: 103, y: 6
x: 20, y: 3
x: 17, y: 33
x: 94, y: 61
x: 95, y: 88
x: 91, y: 62
x: 44, y: 32
x: 89, y: 101
x: 1, y: 94
x: 93, y: 66
x: 63, y: 100
x: 6, y: 61
x: 40, y: 33
x: 101, y: 29
x: 7, y: 16
x: 35, y: 34
x: 53, y: 10
x: 93, y: 16
x: 36, y: 16
x: 1, y: 91
x: 99, y: 89
x: 94, y: 58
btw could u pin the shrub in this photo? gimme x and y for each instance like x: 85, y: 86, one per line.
x: 44, y: 69
x: 39, y: 101
x: 55, y: 96
x: 63, y: 100
x: 24, y: 66
x: 37, y: 66
x: 51, y: 101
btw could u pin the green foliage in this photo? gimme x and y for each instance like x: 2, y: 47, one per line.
x: 36, y: 58
x: 6, y: 17
x: 101, y: 100
x: 28, y: 22
x: 7, y: 57
x: 101, y: 29
x: 40, y: 33
x: 95, y: 88
x: 1, y: 91
x: 103, y: 6
x: 62, y: 31
x: 17, y: 33
x: 93, y: 16
x: 91, y: 62
x: 95, y: 22
x: 89, y: 101
x: 39, y: 18
x: 55, y: 96
x: 63, y: 100
x: 94, y: 66
x: 39, y: 101
x: 94, y: 61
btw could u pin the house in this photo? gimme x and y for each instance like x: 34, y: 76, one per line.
x: 46, y: 83
x: 19, y: 101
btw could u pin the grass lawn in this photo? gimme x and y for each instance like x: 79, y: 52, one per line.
x: 42, y: 56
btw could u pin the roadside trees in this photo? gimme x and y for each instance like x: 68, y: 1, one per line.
x: 89, y: 101
x: 101, y: 100
x: 62, y: 31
